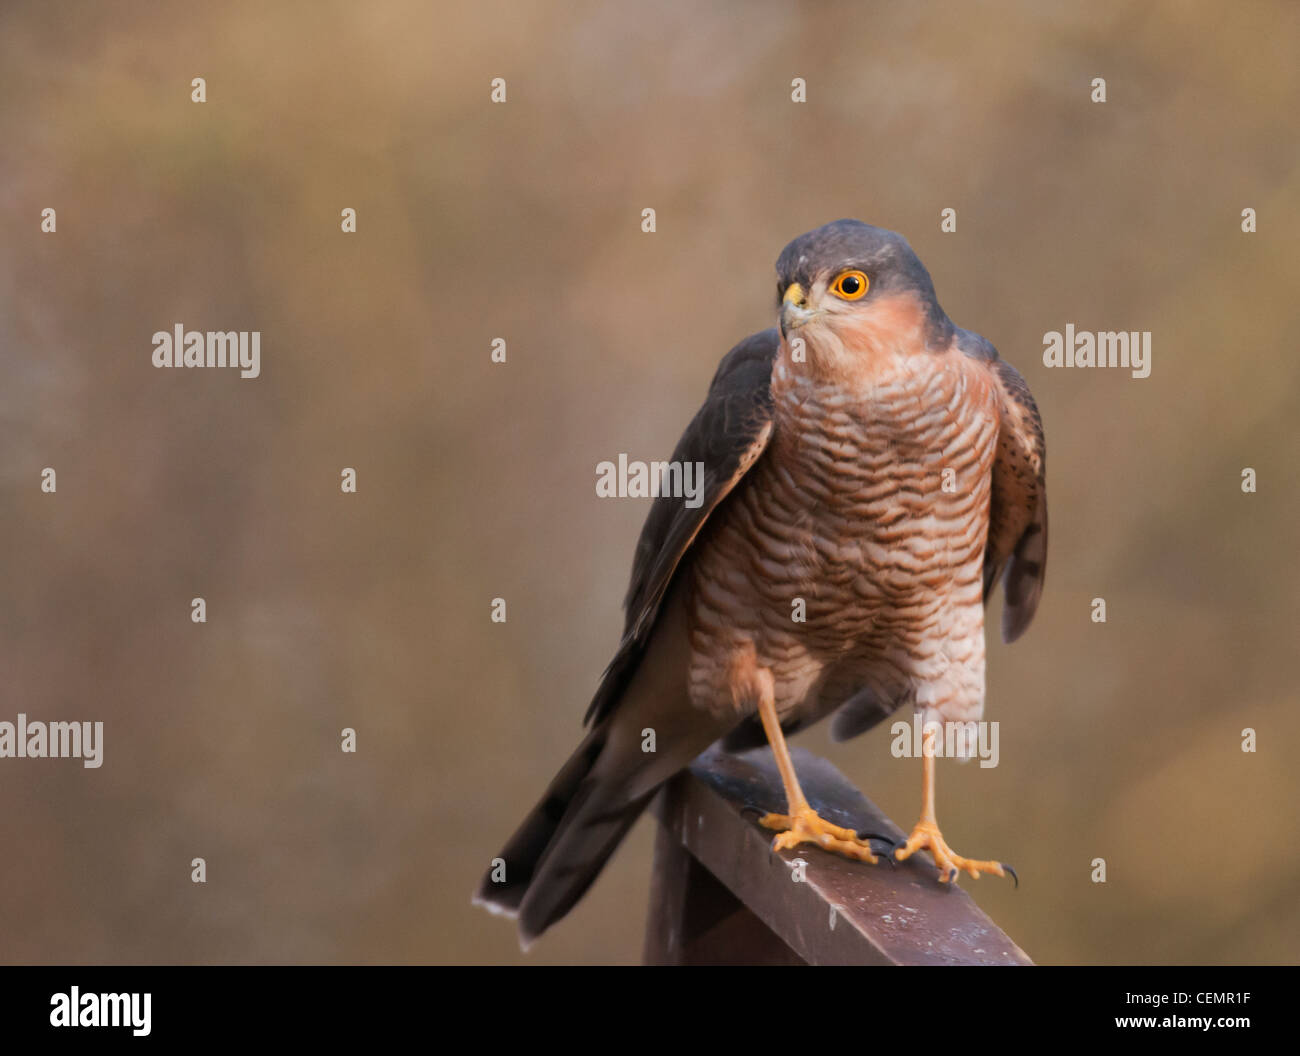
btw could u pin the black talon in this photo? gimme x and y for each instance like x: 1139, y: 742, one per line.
x: 952, y: 876
x: 1012, y: 872
x: 749, y: 808
x: 890, y: 843
x: 874, y: 836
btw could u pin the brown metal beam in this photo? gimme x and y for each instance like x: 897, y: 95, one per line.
x: 720, y: 896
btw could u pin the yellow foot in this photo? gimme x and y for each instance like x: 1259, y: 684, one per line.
x: 927, y: 836
x: 808, y: 827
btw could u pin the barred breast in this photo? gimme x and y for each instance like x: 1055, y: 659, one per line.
x: 869, y: 511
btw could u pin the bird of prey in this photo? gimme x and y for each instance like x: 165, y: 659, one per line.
x: 866, y: 456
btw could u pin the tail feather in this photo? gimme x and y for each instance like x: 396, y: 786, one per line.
x: 597, y: 796
x: 568, y: 837
x: 590, y: 835
x: 502, y: 889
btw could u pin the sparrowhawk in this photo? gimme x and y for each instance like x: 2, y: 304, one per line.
x: 866, y: 456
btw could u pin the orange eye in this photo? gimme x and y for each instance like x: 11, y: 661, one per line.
x: 851, y: 285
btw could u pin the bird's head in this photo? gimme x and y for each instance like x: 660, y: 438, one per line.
x: 854, y: 293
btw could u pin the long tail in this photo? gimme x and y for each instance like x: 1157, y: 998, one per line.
x: 567, y: 838
x: 565, y: 841
x: 512, y: 872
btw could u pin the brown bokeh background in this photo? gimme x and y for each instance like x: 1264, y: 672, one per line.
x: 476, y: 480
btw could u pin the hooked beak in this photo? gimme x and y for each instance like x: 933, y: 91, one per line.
x: 794, y: 309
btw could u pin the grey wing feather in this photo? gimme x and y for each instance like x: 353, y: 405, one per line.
x: 727, y: 435
x: 1017, y: 542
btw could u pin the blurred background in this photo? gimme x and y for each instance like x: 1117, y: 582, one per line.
x: 477, y: 480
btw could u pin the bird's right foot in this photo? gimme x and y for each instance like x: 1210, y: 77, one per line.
x: 807, y: 826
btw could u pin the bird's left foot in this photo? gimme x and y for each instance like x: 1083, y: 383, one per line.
x: 926, y: 836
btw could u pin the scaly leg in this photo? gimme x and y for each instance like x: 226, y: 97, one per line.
x: 802, y: 824
x: 927, y: 835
